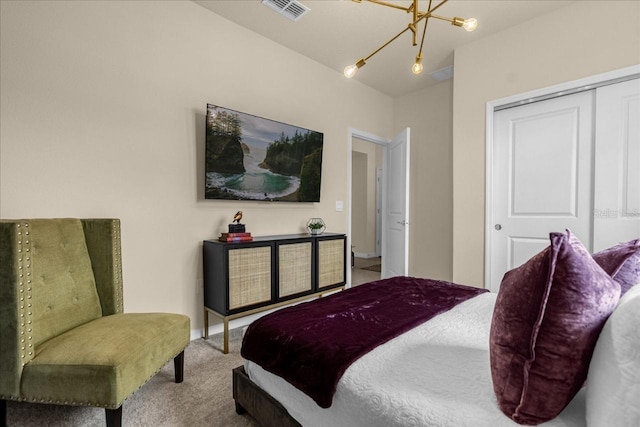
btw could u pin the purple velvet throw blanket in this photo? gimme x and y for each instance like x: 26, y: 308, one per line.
x: 312, y: 344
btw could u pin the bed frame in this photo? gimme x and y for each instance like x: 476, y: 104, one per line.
x: 251, y: 399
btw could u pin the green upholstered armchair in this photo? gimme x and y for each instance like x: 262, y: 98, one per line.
x: 63, y: 336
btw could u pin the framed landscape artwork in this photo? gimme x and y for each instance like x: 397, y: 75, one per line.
x: 253, y: 158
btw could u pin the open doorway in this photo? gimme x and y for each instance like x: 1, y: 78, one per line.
x: 366, y: 210
x: 393, y: 196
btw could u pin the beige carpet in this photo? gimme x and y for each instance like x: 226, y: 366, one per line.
x: 375, y: 267
x: 203, y: 399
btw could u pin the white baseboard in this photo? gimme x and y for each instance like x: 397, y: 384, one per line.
x: 364, y: 255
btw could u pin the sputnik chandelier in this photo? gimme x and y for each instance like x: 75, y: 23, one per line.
x: 467, y: 24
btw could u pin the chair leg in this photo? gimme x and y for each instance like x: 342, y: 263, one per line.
x: 114, y: 417
x: 178, y: 365
x: 3, y: 413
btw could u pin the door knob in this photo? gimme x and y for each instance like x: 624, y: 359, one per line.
x: 498, y: 227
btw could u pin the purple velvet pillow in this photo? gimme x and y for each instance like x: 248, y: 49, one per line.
x: 622, y: 262
x: 546, y: 321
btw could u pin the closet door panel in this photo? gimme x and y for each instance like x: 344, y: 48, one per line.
x: 542, y: 178
x: 617, y: 164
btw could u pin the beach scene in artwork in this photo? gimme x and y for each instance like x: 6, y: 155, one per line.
x: 252, y: 158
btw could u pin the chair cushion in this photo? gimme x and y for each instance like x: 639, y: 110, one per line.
x: 63, y: 291
x: 102, y: 362
x: 546, y: 321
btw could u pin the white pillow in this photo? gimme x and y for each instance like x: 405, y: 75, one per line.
x: 613, y: 384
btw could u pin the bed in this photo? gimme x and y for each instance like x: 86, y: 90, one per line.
x: 439, y: 373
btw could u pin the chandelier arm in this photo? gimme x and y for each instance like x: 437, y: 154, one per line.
x: 387, y: 43
x: 414, y: 8
x: 424, y: 32
x: 442, y: 18
x: 392, y: 5
x: 428, y: 13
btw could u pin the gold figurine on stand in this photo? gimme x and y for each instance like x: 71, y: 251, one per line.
x: 237, y: 231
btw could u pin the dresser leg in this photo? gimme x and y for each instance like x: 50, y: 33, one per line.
x: 226, y: 335
x: 206, y: 324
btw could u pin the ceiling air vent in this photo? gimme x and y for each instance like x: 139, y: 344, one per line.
x: 443, y: 74
x: 291, y: 9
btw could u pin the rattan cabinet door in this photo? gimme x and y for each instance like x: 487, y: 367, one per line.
x: 331, y: 263
x: 295, y: 268
x: 249, y: 276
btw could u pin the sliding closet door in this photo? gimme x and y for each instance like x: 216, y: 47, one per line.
x: 617, y: 163
x: 542, y: 178
x: 567, y: 162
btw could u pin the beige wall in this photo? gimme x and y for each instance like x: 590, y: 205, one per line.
x: 580, y: 40
x: 359, y: 213
x: 366, y: 158
x: 429, y: 115
x: 102, y: 113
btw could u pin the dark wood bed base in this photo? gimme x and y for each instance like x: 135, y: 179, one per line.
x: 258, y: 403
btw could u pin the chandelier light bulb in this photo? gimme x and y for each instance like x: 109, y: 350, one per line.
x: 417, y: 67
x: 350, y: 71
x: 470, y: 24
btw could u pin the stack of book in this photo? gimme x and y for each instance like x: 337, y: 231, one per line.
x: 235, y: 237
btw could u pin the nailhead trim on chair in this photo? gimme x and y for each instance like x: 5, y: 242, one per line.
x: 117, y: 264
x: 25, y: 303
x: 95, y: 405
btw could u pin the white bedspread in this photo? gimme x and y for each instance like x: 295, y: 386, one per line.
x: 436, y: 375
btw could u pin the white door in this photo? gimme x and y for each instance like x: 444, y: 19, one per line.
x: 617, y: 162
x: 395, y: 218
x: 541, y: 178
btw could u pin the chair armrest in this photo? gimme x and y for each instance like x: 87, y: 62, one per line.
x: 15, y: 295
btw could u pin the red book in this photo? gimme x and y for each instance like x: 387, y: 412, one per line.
x: 236, y: 239
x: 234, y: 235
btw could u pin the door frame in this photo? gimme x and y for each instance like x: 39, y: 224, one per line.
x: 379, y: 193
x: 587, y: 83
x: 369, y: 137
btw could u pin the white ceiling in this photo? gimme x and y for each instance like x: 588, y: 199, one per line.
x: 337, y: 33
